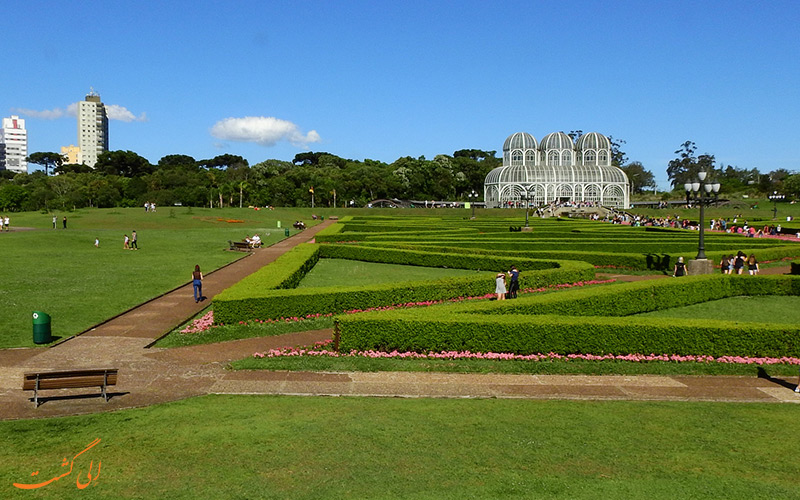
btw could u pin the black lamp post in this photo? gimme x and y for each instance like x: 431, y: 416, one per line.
x: 692, y: 190
x: 775, y: 196
x: 525, y: 197
x: 473, y: 197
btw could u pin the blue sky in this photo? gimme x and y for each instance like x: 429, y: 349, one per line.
x: 381, y: 80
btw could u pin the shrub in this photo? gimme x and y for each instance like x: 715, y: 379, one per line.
x: 566, y: 322
x: 263, y: 295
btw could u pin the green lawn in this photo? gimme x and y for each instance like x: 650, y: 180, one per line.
x: 225, y: 333
x: 761, y: 309
x: 341, y: 272
x: 60, y: 272
x: 327, y: 272
x: 374, y: 448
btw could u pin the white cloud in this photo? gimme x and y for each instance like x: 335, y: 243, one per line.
x: 263, y: 130
x: 121, y: 113
x: 47, y: 114
x: 114, y: 112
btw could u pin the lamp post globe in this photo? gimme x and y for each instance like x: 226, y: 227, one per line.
x: 473, y: 197
x: 775, y: 196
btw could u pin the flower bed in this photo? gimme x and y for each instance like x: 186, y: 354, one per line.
x: 322, y: 349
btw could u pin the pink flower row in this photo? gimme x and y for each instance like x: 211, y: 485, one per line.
x: 319, y: 350
x: 207, y: 321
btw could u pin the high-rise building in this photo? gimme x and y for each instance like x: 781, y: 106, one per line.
x: 14, y: 145
x: 92, y: 129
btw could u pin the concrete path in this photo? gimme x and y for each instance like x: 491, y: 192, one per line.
x: 151, y: 375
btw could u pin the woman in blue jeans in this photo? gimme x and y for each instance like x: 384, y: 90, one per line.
x: 197, y: 283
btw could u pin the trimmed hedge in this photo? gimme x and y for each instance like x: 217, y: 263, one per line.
x: 286, y: 272
x: 256, y: 297
x: 562, y: 322
x: 635, y: 261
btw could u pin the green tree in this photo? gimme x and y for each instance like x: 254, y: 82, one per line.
x: 639, y: 177
x: 12, y: 197
x: 72, y: 167
x: 685, y: 167
x: 46, y: 159
x: 171, y: 161
x: 618, y: 156
x: 225, y: 162
x: 123, y: 164
x: 791, y: 185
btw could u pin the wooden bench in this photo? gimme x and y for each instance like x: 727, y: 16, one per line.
x: 70, y: 379
x: 241, y: 246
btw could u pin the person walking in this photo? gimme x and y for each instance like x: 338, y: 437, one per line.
x: 64, y: 222
x: 514, y: 285
x: 55, y: 220
x: 738, y: 264
x: 134, y: 246
x: 8, y: 223
x: 500, y: 286
x: 126, y: 243
x: 752, y: 265
x: 197, y: 284
x: 680, y: 269
x: 723, y: 264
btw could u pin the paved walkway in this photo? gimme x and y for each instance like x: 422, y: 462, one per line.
x: 151, y: 375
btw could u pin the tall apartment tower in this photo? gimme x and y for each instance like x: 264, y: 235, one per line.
x: 92, y: 129
x: 14, y: 145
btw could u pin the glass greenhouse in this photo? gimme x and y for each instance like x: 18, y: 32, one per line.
x: 557, y: 170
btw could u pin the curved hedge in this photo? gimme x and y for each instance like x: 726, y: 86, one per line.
x: 259, y: 296
x: 622, y: 260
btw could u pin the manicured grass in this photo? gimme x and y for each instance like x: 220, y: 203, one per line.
x: 341, y: 272
x: 762, y: 309
x: 548, y: 367
x: 294, y: 447
x: 61, y: 273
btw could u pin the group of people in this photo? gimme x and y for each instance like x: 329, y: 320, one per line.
x: 5, y: 223
x: 299, y: 225
x: 730, y: 264
x: 149, y: 207
x: 500, y: 288
x: 63, y: 222
x: 735, y: 264
x: 253, y: 241
x: 130, y: 243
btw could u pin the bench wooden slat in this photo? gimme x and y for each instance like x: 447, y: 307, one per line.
x: 70, y: 373
x: 240, y: 245
x: 70, y: 383
x: 69, y: 379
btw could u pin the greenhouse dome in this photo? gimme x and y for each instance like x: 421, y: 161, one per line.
x: 557, y: 170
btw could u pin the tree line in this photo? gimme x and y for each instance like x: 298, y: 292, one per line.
x: 125, y: 179
x: 685, y: 167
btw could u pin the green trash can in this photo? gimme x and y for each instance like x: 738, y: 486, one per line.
x: 286, y: 231
x: 41, y: 328
x: 321, y: 218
